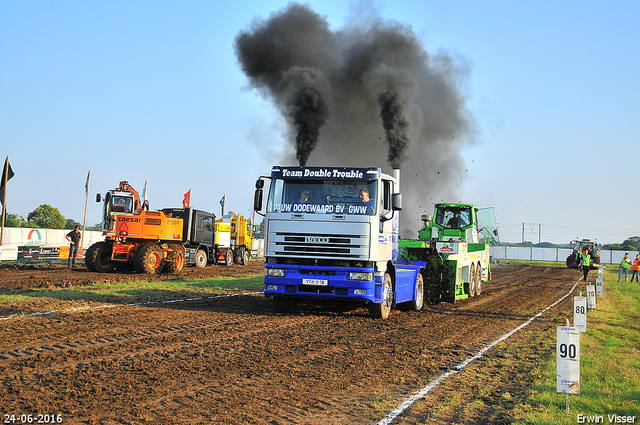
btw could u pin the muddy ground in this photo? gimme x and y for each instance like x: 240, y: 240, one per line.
x: 231, y: 360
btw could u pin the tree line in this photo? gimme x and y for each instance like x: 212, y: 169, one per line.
x: 45, y: 217
x: 630, y: 244
x: 48, y: 217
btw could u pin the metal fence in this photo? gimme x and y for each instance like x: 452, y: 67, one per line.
x: 607, y: 256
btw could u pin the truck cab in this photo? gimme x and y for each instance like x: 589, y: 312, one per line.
x: 331, y: 234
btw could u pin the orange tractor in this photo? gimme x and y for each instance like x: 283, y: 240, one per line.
x: 150, y: 241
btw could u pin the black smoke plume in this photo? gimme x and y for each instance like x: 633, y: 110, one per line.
x: 395, y: 126
x: 309, y: 112
x: 352, y: 94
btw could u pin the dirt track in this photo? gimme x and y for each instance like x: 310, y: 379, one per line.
x: 231, y: 360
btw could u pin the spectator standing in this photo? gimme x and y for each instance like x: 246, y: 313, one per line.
x: 625, y: 266
x: 636, y: 268
x: 586, y: 263
x: 74, y: 241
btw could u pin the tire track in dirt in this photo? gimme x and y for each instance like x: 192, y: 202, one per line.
x: 234, y: 361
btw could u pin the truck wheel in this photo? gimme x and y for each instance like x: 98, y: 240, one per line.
x: 418, y: 297
x: 244, y: 257
x: 175, y: 259
x: 284, y: 305
x: 229, y: 258
x: 470, y: 286
x: 201, y: 258
x: 383, y: 309
x: 478, y: 280
x: 98, y: 258
x: 149, y: 259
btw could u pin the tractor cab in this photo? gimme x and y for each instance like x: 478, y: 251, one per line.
x: 460, y: 223
x: 122, y: 200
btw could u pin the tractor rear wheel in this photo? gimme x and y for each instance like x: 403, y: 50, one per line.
x: 383, y: 309
x: 149, y: 259
x: 175, y: 259
x: 98, y: 258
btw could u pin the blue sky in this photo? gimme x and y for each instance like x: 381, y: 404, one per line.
x: 152, y: 91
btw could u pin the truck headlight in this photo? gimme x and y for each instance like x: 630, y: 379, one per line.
x: 360, y: 276
x: 274, y: 272
x: 360, y: 292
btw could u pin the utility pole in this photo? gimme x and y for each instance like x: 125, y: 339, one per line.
x: 532, y: 224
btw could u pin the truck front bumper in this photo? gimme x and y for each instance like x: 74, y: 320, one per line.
x: 323, y: 282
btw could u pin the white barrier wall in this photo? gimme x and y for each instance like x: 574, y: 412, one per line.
x: 528, y: 253
x: 24, y: 236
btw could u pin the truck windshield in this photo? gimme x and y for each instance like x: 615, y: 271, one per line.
x: 323, y: 196
x: 453, y: 217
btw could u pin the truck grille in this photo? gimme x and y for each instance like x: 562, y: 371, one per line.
x: 316, y: 245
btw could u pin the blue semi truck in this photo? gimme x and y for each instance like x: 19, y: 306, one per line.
x: 331, y: 234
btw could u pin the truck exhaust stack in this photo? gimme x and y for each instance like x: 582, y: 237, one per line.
x: 396, y: 175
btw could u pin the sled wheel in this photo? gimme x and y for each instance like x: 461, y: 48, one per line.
x: 470, y: 287
x: 418, y: 297
x: 478, y: 279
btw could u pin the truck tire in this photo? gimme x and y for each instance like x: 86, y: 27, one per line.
x: 175, y: 259
x: 382, y: 310
x: 478, y: 280
x: 284, y: 305
x: 418, y: 297
x: 98, y: 258
x: 244, y: 257
x: 201, y: 258
x: 149, y: 259
x: 228, y: 258
x: 470, y: 286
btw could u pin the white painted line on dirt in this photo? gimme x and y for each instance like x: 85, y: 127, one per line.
x: 123, y: 305
x: 458, y: 368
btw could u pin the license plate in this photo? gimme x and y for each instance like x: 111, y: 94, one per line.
x: 316, y: 282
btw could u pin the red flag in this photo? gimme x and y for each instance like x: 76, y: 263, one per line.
x: 186, y: 202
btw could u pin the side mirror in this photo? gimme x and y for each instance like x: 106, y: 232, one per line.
x: 396, y: 202
x: 259, y: 184
x: 257, y: 199
x: 98, y: 197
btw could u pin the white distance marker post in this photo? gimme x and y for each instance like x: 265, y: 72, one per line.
x: 591, y: 297
x: 599, y: 280
x: 568, y: 361
x: 580, y: 313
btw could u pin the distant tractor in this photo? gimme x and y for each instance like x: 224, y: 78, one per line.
x: 574, y: 260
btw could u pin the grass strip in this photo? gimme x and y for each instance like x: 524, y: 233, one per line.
x: 609, y: 365
x: 25, y: 302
